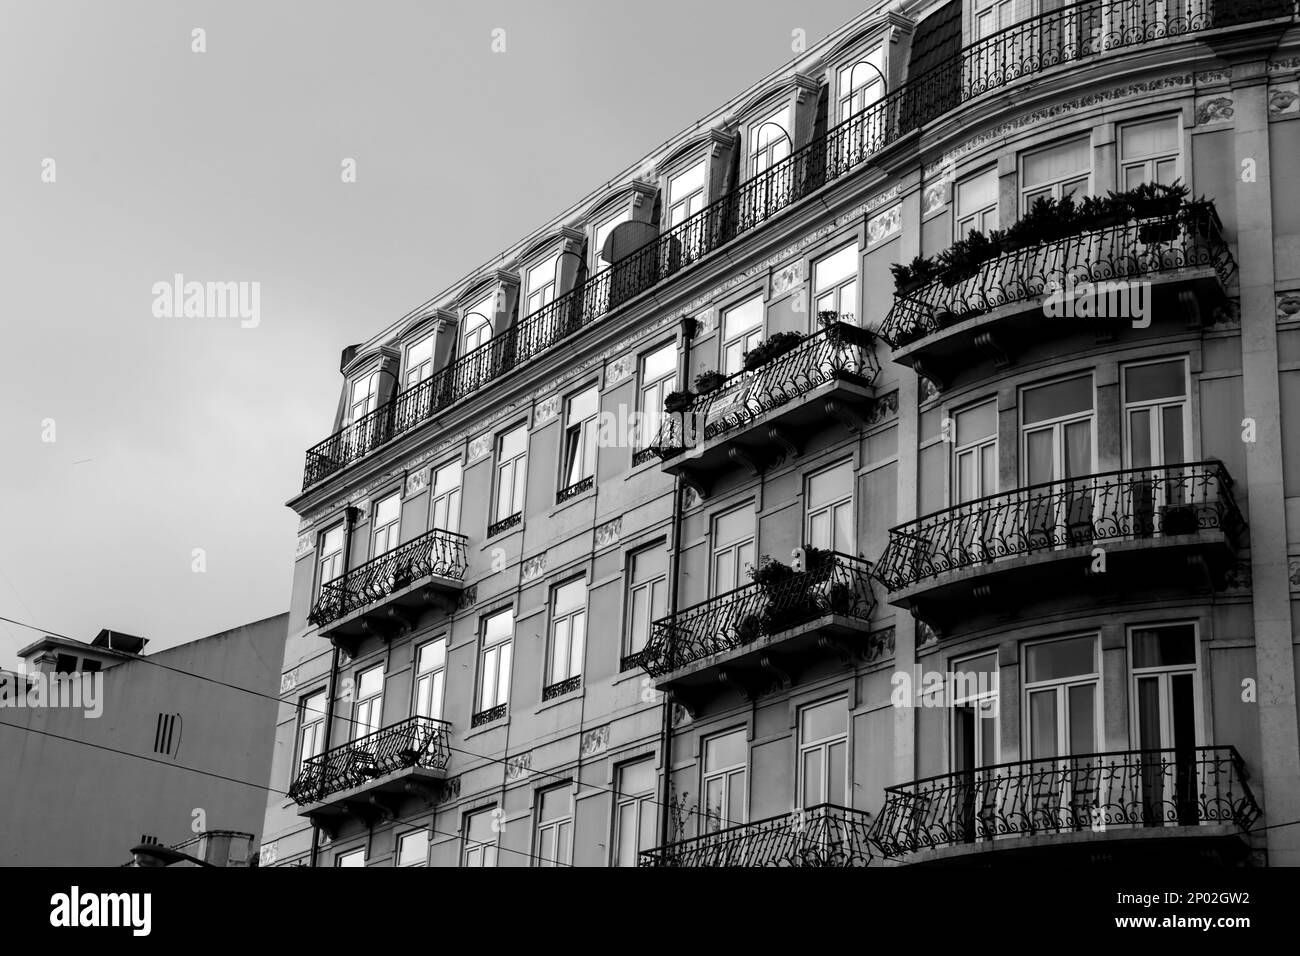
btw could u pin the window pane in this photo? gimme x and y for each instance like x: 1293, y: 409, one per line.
x: 541, y: 274
x: 812, y: 777
x: 1057, y: 163
x: 823, y: 720
x: 832, y: 484
x: 1057, y: 659
x: 1166, y: 646
x: 433, y: 655
x: 659, y: 363
x: 414, y: 849
x: 497, y: 627
x: 1139, y: 437
x: 479, y: 828
x: 989, y: 476
x: 627, y: 835
x: 1042, y: 724
x: 333, y: 541
x: 1138, y: 140
x: 503, y: 674
x: 570, y: 596
x: 977, y: 192
x: 837, y: 772
x: 833, y: 269
x: 370, y: 683
x: 976, y: 423
x: 1058, y: 399
x: 1172, y: 422
x: 745, y: 316
x: 583, y: 406
x: 555, y: 804
x: 1078, y: 449
x: 1083, y: 719
x: 686, y: 182
x: 733, y: 526
x: 650, y: 563
x: 636, y: 778
x: 1156, y: 380
x: 727, y: 750
x: 387, y: 511
x: 513, y: 443
x: 446, y: 478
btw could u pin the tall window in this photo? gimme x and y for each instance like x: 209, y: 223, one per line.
x: 370, y: 702
x: 413, y: 848
x: 351, y: 858
x: 568, y: 630
x: 419, y: 361
x: 481, y: 839
x: 430, y: 678
x: 723, y: 783
x: 685, y: 193
x: 975, y: 713
x: 512, y: 452
x: 1056, y: 172
x: 541, y: 283
x: 733, y: 547
x: 446, y: 497
x: 580, y: 437
x: 1061, y: 680
x: 478, y: 324
x: 658, y: 378
x: 824, y: 753
x: 602, y: 231
x: 835, y: 282
x: 331, y: 556
x: 387, y: 524
x: 554, y: 826
x: 494, y: 661
x: 647, y: 598
x: 311, y: 721
x: 742, y: 328
x: 1164, y: 686
x: 829, y: 504
x: 363, y: 396
x: 977, y: 203
x: 634, y: 812
x: 975, y: 452
x: 769, y: 141
x: 860, y: 84
x: 1156, y: 413
x: 1149, y: 152
x: 992, y: 16
x: 1057, y: 445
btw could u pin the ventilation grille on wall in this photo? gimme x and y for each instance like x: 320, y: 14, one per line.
x: 167, y: 735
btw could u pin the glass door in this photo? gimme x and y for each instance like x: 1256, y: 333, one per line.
x: 1057, y: 452
x: 975, y: 745
x: 1061, y: 683
x: 1156, y: 424
x: 1165, y: 692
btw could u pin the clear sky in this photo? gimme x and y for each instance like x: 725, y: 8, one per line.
x: 176, y: 434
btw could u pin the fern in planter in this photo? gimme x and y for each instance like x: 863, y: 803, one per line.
x: 911, y: 277
x: 773, y: 346
x: 709, y: 381
x: 678, y: 401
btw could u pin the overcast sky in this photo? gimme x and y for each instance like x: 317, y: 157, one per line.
x: 176, y: 434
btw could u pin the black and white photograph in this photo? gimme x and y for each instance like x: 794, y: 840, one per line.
x: 857, y: 436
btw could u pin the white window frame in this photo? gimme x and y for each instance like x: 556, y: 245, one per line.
x: 823, y: 744
x: 734, y: 548
x: 1165, y: 670
x: 415, y: 374
x: 1061, y: 686
x: 385, y: 537
x: 401, y: 841
x: 329, y: 564
x: 649, y: 586
x: 555, y: 829
x: 652, y: 394
x: 985, y: 218
x: 638, y: 803
x: 311, y: 726
x: 542, y: 294
x: 580, y: 450
x: 681, y: 208
x: 983, y: 702
x: 974, y: 447
x: 744, y: 340
x: 513, y: 470
x: 1151, y: 161
x: 1156, y: 405
x: 1054, y: 186
x: 855, y: 99
x: 843, y: 289
x: 606, y: 226
x: 357, y: 854
x: 368, y: 712
x: 430, y: 682
x: 363, y: 396
x: 572, y: 622
x: 763, y: 151
x: 479, y: 854
x: 729, y: 816
x: 831, y: 508
x: 446, y: 501
x: 495, y: 660
x: 478, y: 320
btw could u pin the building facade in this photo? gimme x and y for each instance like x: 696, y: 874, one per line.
x: 852, y: 483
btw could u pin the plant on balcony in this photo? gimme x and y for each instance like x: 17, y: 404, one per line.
x: 678, y: 401
x: 770, y: 573
x: 1149, y: 200
x: 957, y: 263
x: 749, y: 629
x: 709, y: 381
x: 1102, y: 212
x: 839, y: 598
x: 817, y: 559
x: 908, y: 278
x: 770, y: 348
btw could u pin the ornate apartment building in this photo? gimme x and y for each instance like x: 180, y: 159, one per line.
x: 902, y: 465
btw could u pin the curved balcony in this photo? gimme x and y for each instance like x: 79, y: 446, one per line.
x: 820, y: 836
x: 1172, y: 525
x: 1075, y: 32
x: 1030, y: 807
x: 755, y: 636
x: 372, y: 772
x: 758, y: 417
x: 1103, y: 277
x: 385, y: 593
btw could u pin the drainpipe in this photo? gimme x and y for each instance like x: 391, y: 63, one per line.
x: 349, y: 519
x: 689, y: 327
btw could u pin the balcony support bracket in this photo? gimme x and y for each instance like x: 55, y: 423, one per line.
x: 685, y: 701
x: 696, y: 483
x: 845, y: 413
x: 769, y: 663
x: 837, y: 647
x: 729, y: 678
x: 926, y: 370
x: 744, y: 458
x: 789, y: 450
x: 987, y: 343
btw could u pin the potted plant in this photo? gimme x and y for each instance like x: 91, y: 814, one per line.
x: 675, y: 402
x: 709, y: 380
x: 817, y: 559
x: 770, y: 574
x: 1178, y: 519
x: 839, y: 598
x: 773, y: 346
x: 749, y: 629
x: 912, y: 277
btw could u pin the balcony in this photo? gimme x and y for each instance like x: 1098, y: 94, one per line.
x: 386, y: 594
x: 1199, y: 795
x: 1167, y: 526
x: 371, y: 773
x: 1178, y: 263
x: 824, y: 835
x: 754, y: 636
x: 755, y: 418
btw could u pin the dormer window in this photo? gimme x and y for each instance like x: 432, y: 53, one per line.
x: 685, y: 193
x: 419, y: 361
x: 541, y: 282
x: 602, y: 232
x: 364, y: 393
x: 478, y: 325
x: 861, y: 83
x: 769, y: 141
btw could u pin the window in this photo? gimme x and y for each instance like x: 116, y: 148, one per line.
x: 685, y: 193
x: 598, y: 261
x: 387, y: 524
x: 975, y: 452
x: 370, y: 702
x: 1149, y: 152
x: 65, y: 664
x: 829, y: 504
x: 862, y: 83
x: 742, y: 328
x: 568, y: 630
x: 634, y: 815
x: 90, y: 667
x: 331, y: 556
x: 977, y: 203
x: 481, y: 838
x: 723, y: 783
x: 1061, y: 679
x: 975, y: 712
x: 363, y: 396
x: 430, y: 678
x: 311, y: 723
x: 733, y: 547
x: 413, y: 848
x: 658, y: 378
x: 419, y: 361
x: 1164, y: 686
x: 580, y: 438
x: 1156, y: 413
x: 446, y: 497
x: 835, y: 283
x: 647, y: 599
x: 541, y: 283
x: 992, y: 16
x: 494, y: 663
x: 1055, y: 172
x: 478, y: 324
x: 512, y: 451
x: 554, y: 827
x: 1057, y: 445
x: 351, y: 858
x: 823, y: 753
x: 769, y: 141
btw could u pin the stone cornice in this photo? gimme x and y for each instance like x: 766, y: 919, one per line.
x: 374, y: 356
x: 713, y: 139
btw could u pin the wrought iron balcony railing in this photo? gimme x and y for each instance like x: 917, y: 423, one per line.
x: 1070, y: 33
x: 1086, y: 792
x: 837, y: 585
x: 505, y: 524
x: 581, y: 486
x: 1132, y: 251
x: 562, y: 687
x: 1162, y: 501
x: 488, y: 716
x: 415, y: 742
x: 438, y: 552
x: 838, y: 351
x: 824, y: 835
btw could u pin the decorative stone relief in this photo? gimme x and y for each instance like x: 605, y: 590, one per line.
x: 880, y: 645
x: 932, y: 198
x: 883, y: 408
x: 1293, y: 569
x: 534, y: 568
x: 468, y: 598
x: 480, y: 447
x: 620, y: 369
x: 1284, y: 98
x: 288, y: 681
x: 884, y: 224
x: 518, y: 766
x: 417, y: 481
x: 594, y: 741
x: 609, y: 533
x: 546, y: 409
x: 691, y: 499
x: 267, y: 853
x: 928, y: 389
x: 786, y: 279
x: 450, y: 788
x: 889, y: 195
x: 1215, y: 108
x: 363, y: 509
x: 1207, y: 77
x: 1237, y: 576
x: 705, y: 322
x: 304, y: 545
x: 1288, y: 306
x: 1282, y: 66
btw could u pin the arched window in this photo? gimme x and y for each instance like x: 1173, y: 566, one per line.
x: 861, y: 83
x: 769, y: 141
x: 478, y: 325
